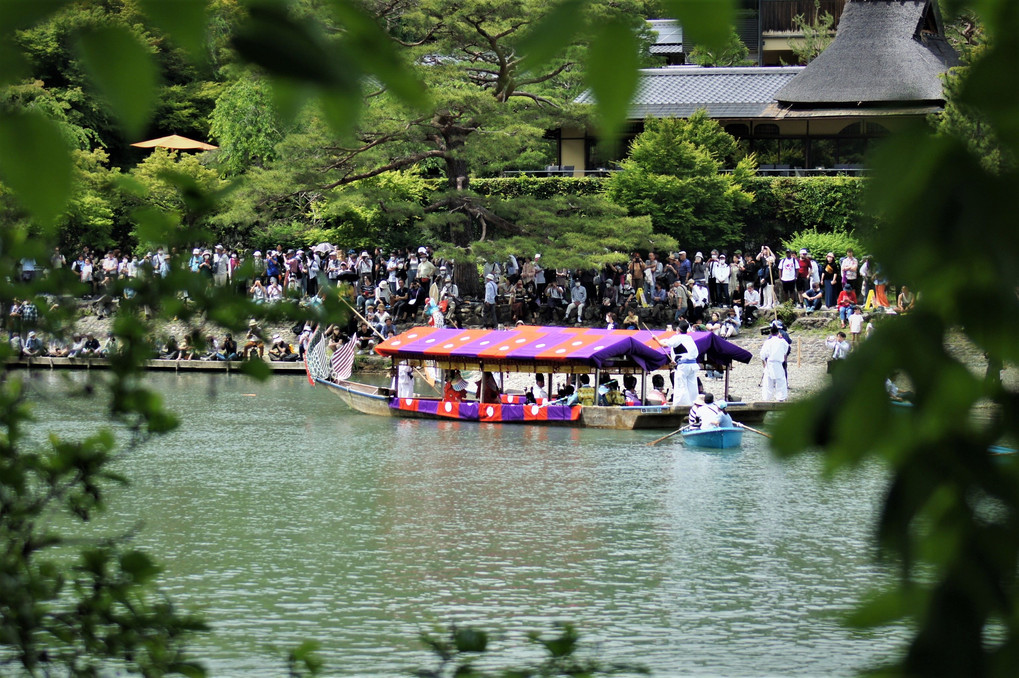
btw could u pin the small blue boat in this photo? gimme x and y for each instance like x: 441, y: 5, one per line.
x: 722, y: 438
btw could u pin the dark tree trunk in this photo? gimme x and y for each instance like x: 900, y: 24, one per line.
x: 465, y: 273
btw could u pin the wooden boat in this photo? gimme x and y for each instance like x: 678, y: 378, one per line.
x: 554, y: 351
x: 720, y: 438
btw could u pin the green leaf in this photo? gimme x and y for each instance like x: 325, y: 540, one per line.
x: 153, y: 224
x: 552, y: 33
x: 470, y: 640
x: 705, y: 22
x: 139, y: 565
x: 13, y: 66
x: 36, y: 164
x: 18, y: 14
x: 294, y: 50
x: 184, y: 20
x: 257, y: 369
x: 377, y: 53
x: 612, y: 64
x: 123, y: 70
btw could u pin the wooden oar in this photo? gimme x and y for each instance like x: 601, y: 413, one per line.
x: 655, y: 442
x: 754, y: 430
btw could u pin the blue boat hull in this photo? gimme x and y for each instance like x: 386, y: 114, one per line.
x: 714, y: 438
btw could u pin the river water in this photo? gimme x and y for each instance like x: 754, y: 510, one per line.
x: 282, y: 516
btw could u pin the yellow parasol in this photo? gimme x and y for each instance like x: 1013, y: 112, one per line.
x: 177, y: 143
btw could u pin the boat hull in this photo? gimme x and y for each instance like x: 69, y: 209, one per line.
x: 724, y: 438
x: 376, y: 400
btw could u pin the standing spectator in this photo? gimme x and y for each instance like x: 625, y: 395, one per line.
x: 258, y: 267
x: 684, y: 267
x: 855, y: 324
x: 831, y: 276
x: 699, y: 300
x: 699, y: 270
x: 850, y: 271
x: 636, y: 269
x: 29, y: 314
x: 721, y: 272
x: 27, y: 269
x: 866, y: 275
x: 57, y: 261
x: 802, y: 275
x: 652, y: 269
x: 787, y: 271
x: 679, y: 300
x: 539, y: 276
x: 491, y: 291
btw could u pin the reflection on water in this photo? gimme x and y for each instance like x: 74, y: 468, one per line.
x: 283, y: 516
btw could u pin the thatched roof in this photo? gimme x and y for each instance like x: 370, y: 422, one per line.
x: 885, y: 52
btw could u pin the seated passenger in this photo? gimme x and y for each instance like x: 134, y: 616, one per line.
x: 658, y: 395
x: 455, y: 387
x: 488, y: 388
x: 704, y: 413
x: 585, y: 394
x: 630, y: 390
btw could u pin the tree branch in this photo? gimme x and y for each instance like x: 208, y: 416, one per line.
x: 399, y: 163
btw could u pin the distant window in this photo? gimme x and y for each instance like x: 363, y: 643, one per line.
x: 864, y: 128
x: 766, y: 130
x: 738, y: 131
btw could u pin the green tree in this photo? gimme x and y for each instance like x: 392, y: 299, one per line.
x: 246, y: 125
x: 733, y: 53
x: 673, y: 175
x: 818, y: 32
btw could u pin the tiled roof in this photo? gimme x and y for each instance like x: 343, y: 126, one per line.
x: 724, y: 92
x: 669, y: 31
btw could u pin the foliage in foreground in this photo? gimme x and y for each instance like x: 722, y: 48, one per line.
x: 458, y: 652
x: 951, y: 517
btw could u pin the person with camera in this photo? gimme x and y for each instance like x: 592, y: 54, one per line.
x: 636, y: 271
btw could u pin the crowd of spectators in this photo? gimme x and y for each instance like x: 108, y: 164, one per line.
x: 719, y: 291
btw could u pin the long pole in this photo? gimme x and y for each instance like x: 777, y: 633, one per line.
x: 430, y: 382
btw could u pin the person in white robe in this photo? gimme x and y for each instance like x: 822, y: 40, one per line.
x: 683, y: 353
x: 773, y: 353
x: 405, y: 381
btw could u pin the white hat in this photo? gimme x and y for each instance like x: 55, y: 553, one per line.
x: 537, y: 256
x: 219, y: 247
x: 277, y: 339
x: 196, y: 251
x: 422, y: 250
x: 804, y: 251
x: 257, y: 253
x: 489, y: 277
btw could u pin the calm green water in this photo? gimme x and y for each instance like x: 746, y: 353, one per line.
x: 283, y: 516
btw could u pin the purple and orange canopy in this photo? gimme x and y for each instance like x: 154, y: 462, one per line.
x: 532, y: 348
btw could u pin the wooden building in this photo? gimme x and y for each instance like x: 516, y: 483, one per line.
x: 884, y: 67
